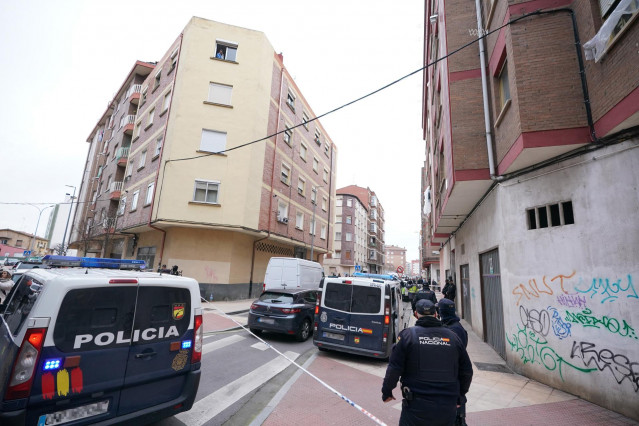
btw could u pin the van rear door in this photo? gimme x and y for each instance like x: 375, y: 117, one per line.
x: 354, y: 315
x: 161, y: 347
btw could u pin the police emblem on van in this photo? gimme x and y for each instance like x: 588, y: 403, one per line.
x: 178, y: 311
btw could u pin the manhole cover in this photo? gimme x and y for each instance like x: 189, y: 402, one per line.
x: 497, y: 368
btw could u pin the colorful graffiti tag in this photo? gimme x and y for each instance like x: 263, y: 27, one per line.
x: 609, y: 288
x: 605, y: 359
x: 587, y: 319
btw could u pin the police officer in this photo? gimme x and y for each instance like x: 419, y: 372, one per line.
x: 424, y: 293
x: 412, y: 289
x: 433, y: 367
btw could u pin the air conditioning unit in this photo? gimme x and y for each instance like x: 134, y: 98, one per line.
x: 285, y: 219
x: 282, y: 219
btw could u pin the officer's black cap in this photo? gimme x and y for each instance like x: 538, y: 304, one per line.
x: 425, y: 307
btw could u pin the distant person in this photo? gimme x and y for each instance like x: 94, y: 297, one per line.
x: 424, y: 293
x: 450, y: 290
x: 433, y: 367
x: 220, y: 54
x: 6, y: 284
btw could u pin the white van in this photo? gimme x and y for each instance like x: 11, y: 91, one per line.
x: 291, y: 273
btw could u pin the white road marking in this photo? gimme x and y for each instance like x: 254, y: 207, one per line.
x: 213, y: 404
x: 219, y: 344
x: 261, y: 346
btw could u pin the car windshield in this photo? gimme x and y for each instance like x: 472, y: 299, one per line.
x: 271, y: 297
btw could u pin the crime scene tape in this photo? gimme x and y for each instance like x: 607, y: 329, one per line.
x: 323, y: 383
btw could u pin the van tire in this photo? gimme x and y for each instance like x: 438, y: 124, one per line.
x: 304, y: 331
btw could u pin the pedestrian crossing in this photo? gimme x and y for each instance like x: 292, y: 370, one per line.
x: 222, y: 352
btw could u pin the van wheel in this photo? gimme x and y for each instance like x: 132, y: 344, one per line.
x: 255, y: 331
x: 304, y: 331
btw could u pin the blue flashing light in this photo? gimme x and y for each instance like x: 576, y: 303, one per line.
x: 379, y: 276
x: 92, y: 262
x: 52, y: 364
x: 186, y: 344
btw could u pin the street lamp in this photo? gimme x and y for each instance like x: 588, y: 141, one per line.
x: 64, y: 247
x: 35, y: 233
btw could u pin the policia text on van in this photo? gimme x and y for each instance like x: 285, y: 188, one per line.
x: 93, y: 344
x: 359, y: 315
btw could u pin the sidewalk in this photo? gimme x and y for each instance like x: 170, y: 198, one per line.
x: 497, y: 396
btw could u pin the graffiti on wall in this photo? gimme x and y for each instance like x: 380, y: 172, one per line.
x: 533, y: 290
x: 612, y: 290
x: 587, y: 319
x: 535, y: 349
x: 617, y: 364
x: 572, y: 300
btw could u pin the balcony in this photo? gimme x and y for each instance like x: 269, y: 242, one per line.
x: 133, y: 95
x: 128, y: 124
x: 121, y: 156
x: 114, y: 190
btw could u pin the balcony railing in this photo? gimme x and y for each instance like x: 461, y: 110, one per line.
x: 121, y: 155
x: 115, y: 189
x: 136, y: 88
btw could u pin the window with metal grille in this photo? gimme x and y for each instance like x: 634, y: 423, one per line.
x: 550, y: 215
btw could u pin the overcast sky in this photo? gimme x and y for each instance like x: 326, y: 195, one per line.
x: 64, y: 60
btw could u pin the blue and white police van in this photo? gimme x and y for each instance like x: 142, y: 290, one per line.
x: 362, y: 315
x: 84, y: 342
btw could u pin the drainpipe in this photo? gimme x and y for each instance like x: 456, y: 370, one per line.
x: 270, y: 201
x: 484, y: 89
x: 168, y: 115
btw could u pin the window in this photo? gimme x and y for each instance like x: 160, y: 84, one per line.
x: 338, y: 219
x: 314, y: 196
x: 325, y: 176
x: 373, y: 227
x: 317, y: 137
x: 18, y: 243
x: 305, y: 120
x: 173, y: 60
x: 156, y: 83
x: 142, y: 161
x: 303, y: 151
x: 326, y: 149
x: 220, y: 94
x: 122, y: 206
x: 286, y: 174
x: 167, y: 102
x: 288, y: 135
x: 371, y: 254
x: 282, y: 211
x: 148, y: 255
x: 347, y: 255
x: 138, y: 128
x: 158, y: 146
x: 349, y: 202
x: 149, y: 193
x: 144, y: 91
x: 24, y: 297
x: 290, y: 101
x: 551, y: 215
x: 149, y: 121
x: 315, y: 164
x: 349, y: 219
x: 323, y: 232
x: 226, y: 51
x: 299, y: 220
x: 504, y: 87
x: 213, y: 141
x: 348, y: 236
x: 301, y: 186
x: 324, y: 203
x: 108, y: 185
x: 338, y: 236
x: 206, y: 192
x: 134, y: 201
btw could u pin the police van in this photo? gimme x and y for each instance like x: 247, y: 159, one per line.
x: 361, y: 314
x: 82, y: 341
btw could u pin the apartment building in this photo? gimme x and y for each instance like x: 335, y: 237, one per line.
x: 395, y: 257
x: 25, y: 241
x: 198, y: 177
x: 529, y: 183
x: 359, y: 233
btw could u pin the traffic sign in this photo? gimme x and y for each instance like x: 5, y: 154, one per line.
x: 400, y: 269
x: 26, y: 253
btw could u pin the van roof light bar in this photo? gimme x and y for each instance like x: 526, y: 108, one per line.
x: 92, y: 262
x: 368, y: 275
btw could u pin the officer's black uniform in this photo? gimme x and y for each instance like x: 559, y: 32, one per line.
x: 424, y: 293
x: 435, y: 371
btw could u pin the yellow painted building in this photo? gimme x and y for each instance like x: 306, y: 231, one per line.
x: 207, y: 185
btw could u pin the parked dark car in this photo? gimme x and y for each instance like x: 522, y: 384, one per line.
x: 284, y: 311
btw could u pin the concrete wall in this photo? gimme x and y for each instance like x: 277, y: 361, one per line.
x: 570, y: 293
